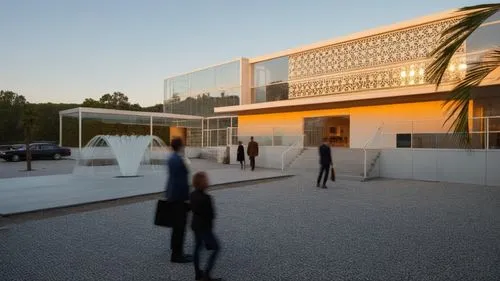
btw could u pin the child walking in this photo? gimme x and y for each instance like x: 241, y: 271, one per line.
x: 202, y: 225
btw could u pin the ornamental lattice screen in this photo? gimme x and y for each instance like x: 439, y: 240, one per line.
x: 389, y: 60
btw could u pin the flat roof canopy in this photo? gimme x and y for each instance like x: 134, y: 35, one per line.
x: 128, y: 117
x: 105, y: 112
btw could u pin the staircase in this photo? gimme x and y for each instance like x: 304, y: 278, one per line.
x: 289, y: 165
x: 348, y: 162
x: 371, y: 167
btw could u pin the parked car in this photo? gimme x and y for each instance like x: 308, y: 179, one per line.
x: 5, y: 147
x: 38, y: 151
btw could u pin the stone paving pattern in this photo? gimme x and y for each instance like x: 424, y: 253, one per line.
x: 282, y: 230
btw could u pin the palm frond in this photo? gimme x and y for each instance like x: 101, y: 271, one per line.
x: 457, y: 102
x: 454, y: 37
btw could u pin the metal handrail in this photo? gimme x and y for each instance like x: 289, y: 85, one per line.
x: 283, y: 155
x: 364, y: 149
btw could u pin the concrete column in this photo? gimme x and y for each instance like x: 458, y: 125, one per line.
x: 202, y: 130
x: 151, y: 125
x: 80, y: 130
x: 60, y: 129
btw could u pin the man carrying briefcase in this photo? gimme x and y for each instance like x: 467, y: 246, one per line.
x: 172, y: 212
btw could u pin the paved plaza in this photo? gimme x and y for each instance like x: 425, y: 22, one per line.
x: 40, y: 168
x: 280, y: 230
x: 35, y: 193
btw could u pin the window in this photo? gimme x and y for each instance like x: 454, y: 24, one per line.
x: 484, y: 38
x: 270, y: 80
x: 199, y: 92
x: 270, y: 72
x: 269, y: 93
x: 403, y: 140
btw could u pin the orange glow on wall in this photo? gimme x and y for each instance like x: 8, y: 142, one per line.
x: 364, y: 120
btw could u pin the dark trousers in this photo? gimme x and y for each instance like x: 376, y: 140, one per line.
x: 323, y: 169
x: 252, y: 162
x: 179, y: 215
x: 208, y: 238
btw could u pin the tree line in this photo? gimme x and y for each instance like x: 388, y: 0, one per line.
x: 20, y: 119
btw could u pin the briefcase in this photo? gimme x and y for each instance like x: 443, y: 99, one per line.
x: 332, y: 176
x: 163, y: 215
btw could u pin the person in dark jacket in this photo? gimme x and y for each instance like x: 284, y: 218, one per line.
x: 325, y: 161
x: 177, y: 192
x: 252, y: 151
x: 202, y: 225
x: 240, y: 155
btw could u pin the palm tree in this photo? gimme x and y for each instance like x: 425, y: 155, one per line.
x: 28, y: 123
x: 457, y: 103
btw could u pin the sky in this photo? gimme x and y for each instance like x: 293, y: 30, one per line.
x: 67, y: 50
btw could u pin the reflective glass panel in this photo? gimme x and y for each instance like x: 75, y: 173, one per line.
x: 202, y: 80
x: 227, y: 75
x: 269, y: 93
x: 270, y: 72
x: 495, y: 17
x: 180, y: 84
x: 484, y: 38
x: 198, y: 93
x: 259, y: 94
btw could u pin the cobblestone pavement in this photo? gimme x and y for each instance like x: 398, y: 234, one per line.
x: 282, y: 230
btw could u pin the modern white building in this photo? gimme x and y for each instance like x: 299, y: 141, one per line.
x: 365, y: 91
x: 343, y: 89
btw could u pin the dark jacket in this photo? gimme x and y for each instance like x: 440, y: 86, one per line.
x: 203, y: 211
x: 253, y: 149
x: 325, y: 155
x: 240, y: 155
x: 177, y: 188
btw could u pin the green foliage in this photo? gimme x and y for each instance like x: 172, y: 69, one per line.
x: 11, y: 109
x: 457, y: 104
x: 44, y: 117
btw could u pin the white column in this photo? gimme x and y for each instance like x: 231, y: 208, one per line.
x: 60, y: 129
x: 231, y: 131
x: 202, y: 129
x: 487, y: 144
x: 80, y: 130
x: 151, y: 125
x: 151, y: 133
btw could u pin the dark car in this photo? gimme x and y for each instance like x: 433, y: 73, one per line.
x: 38, y: 151
x: 5, y: 147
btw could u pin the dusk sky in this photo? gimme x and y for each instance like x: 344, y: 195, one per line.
x: 66, y: 51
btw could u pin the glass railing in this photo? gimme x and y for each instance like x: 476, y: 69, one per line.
x: 484, y: 134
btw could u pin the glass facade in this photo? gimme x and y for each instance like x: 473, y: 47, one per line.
x: 199, y: 92
x: 220, y: 131
x: 270, y: 80
x: 484, y: 38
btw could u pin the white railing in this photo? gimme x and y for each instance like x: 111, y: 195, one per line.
x: 365, y: 147
x: 434, y: 134
x: 299, y: 145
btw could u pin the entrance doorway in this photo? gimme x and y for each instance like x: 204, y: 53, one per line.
x: 334, y: 128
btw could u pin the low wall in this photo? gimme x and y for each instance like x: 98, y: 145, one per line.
x: 269, y: 156
x: 106, y: 153
x: 449, y: 165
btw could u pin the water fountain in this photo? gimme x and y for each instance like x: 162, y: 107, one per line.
x: 104, y: 152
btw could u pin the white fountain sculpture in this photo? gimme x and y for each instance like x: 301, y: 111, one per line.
x: 129, y: 151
